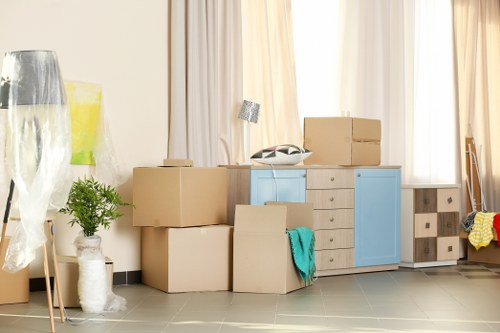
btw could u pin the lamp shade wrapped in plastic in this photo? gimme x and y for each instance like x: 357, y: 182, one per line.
x: 38, y: 145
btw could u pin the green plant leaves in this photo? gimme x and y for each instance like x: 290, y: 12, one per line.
x: 92, y: 205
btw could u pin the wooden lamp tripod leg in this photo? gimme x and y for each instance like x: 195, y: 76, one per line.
x: 56, y: 270
x: 47, y: 284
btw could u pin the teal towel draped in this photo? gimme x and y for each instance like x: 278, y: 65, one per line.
x: 302, y: 244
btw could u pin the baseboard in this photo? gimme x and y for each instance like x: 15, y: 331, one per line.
x: 130, y: 277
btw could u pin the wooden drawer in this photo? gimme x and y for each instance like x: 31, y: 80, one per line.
x: 334, y: 259
x: 334, y: 239
x: 425, y: 225
x: 425, y: 249
x: 331, y: 199
x: 333, y: 219
x: 448, y: 224
x: 425, y: 200
x: 319, y: 179
x: 448, y: 200
x: 448, y: 248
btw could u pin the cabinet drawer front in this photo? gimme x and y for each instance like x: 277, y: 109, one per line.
x: 448, y: 224
x: 333, y: 218
x: 334, y: 259
x: 448, y: 200
x: 425, y: 225
x: 331, y: 199
x: 334, y: 239
x: 425, y: 200
x: 448, y: 248
x: 425, y: 249
x: 319, y: 179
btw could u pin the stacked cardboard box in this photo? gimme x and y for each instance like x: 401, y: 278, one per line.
x: 14, y: 287
x: 342, y: 141
x: 186, y: 244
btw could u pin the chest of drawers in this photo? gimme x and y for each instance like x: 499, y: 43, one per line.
x: 356, y: 210
x: 430, y: 224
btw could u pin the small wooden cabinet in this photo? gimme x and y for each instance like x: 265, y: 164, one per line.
x: 430, y: 222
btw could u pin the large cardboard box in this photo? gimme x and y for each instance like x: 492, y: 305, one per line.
x: 262, y: 257
x: 14, y: 287
x: 68, y: 280
x: 342, y: 141
x: 187, y: 259
x: 179, y: 196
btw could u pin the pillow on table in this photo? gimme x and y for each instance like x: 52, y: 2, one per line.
x: 281, y: 154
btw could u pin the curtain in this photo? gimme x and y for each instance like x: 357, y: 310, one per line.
x: 477, y: 50
x: 395, y: 65
x: 205, y: 83
x: 269, y: 72
x: 370, y: 71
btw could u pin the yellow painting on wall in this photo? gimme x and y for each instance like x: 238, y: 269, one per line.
x: 84, y: 100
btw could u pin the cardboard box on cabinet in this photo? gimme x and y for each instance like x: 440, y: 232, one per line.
x: 187, y: 259
x: 342, y: 141
x: 14, y: 287
x: 262, y: 257
x: 179, y: 196
x: 68, y: 280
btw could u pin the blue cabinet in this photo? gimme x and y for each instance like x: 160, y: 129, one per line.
x: 277, y: 185
x: 377, y: 202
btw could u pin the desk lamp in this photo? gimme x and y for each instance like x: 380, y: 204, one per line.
x: 250, y: 113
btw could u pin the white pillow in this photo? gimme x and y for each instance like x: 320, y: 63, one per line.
x: 282, y: 154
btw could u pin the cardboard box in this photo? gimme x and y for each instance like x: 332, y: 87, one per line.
x: 262, y: 257
x: 179, y: 197
x: 14, y: 288
x: 177, y: 162
x: 342, y: 141
x: 68, y: 280
x: 187, y: 259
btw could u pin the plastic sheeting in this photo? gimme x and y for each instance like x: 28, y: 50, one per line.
x: 38, y: 146
x: 93, y: 288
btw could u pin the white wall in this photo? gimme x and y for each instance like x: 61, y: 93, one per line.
x: 122, y: 45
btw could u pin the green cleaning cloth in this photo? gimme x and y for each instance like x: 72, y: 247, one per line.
x: 302, y: 246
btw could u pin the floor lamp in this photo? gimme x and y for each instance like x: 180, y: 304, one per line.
x: 250, y: 113
x: 38, y: 149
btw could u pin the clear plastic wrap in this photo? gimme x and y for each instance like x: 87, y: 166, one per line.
x: 93, y: 289
x: 38, y: 146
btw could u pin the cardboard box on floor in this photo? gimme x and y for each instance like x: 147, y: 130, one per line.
x: 68, y: 280
x: 489, y: 254
x: 262, y: 257
x: 187, y: 259
x: 14, y: 287
x: 342, y: 141
x: 179, y: 196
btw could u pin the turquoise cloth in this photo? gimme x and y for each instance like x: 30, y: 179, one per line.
x: 302, y: 244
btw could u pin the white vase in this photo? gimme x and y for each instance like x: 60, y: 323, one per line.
x: 92, y: 278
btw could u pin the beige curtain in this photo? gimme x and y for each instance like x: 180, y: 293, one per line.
x: 477, y: 48
x: 269, y: 72
x: 205, y: 83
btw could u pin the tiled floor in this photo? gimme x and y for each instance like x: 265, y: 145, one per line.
x: 463, y: 298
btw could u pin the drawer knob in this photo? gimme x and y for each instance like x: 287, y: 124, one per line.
x: 331, y: 199
x: 332, y: 179
x: 331, y: 219
x: 426, y: 250
x: 359, y: 175
x: 426, y: 201
x: 427, y: 225
x: 450, y: 200
x: 448, y: 224
x: 450, y: 248
x: 331, y: 239
x: 331, y: 259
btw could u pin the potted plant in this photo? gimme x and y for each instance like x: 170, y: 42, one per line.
x: 92, y: 205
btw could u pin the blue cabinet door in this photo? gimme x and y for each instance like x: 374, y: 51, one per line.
x: 377, y: 202
x: 277, y: 185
